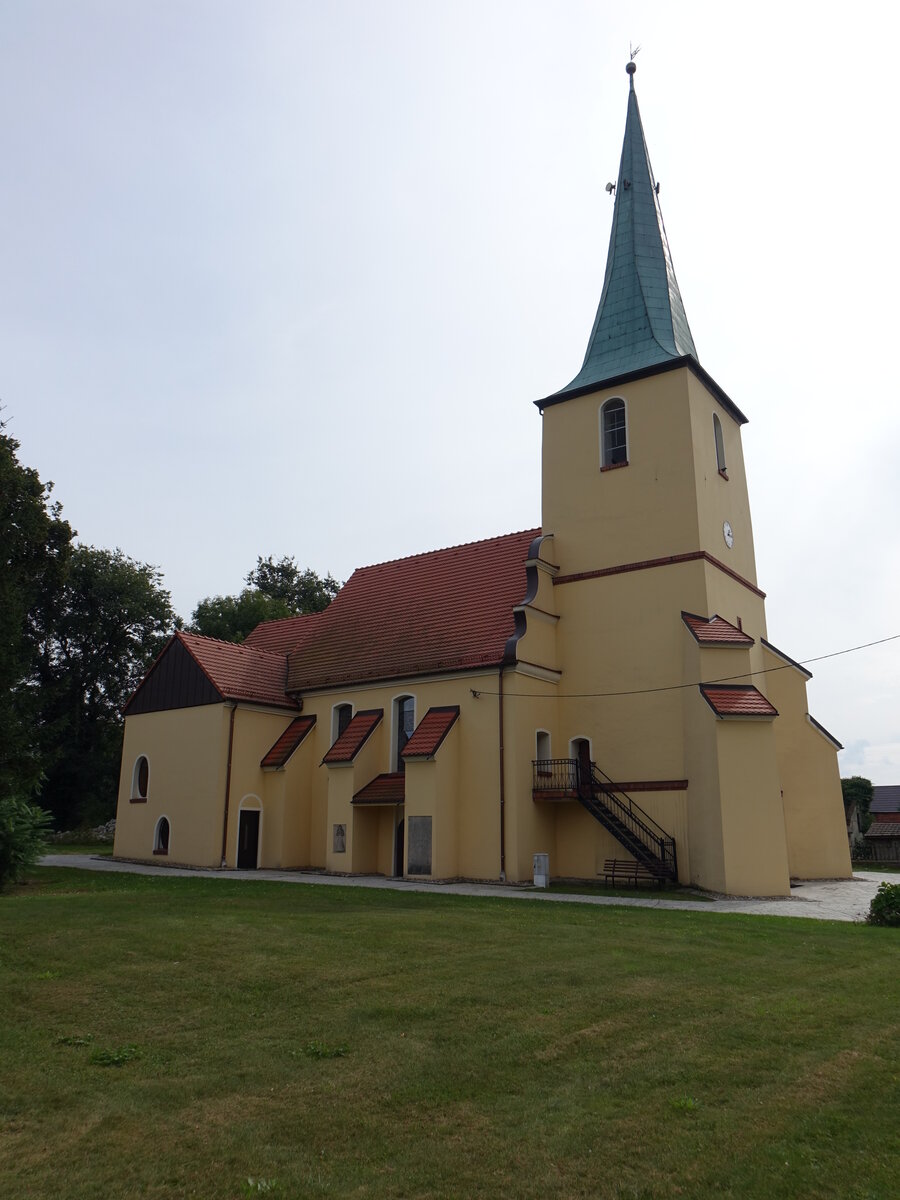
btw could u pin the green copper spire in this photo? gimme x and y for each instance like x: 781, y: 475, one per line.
x: 641, y: 319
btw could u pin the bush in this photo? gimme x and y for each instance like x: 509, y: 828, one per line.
x: 22, y: 830
x: 885, y: 906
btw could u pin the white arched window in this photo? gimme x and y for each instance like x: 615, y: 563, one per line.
x: 613, y: 434
x: 341, y: 716
x: 720, y: 446
x: 404, y: 724
x: 140, y: 778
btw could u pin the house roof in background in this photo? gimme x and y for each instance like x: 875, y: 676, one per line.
x: 885, y: 798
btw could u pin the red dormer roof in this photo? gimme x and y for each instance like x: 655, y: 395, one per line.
x: 430, y: 732
x: 736, y: 700
x: 443, y: 611
x: 354, y: 737
x: 288, y: 742
x: 383, y: 789
x: 715, y: 631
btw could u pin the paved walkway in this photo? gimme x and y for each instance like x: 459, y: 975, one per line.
x: 828, y: 900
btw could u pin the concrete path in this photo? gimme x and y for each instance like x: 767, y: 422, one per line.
x: 830, y: 900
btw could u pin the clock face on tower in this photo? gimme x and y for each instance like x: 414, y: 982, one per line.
x: 728, y: 534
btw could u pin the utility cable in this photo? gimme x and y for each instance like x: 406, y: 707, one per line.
x: 677, y: 687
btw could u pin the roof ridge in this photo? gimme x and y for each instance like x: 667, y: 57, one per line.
x: 224, y: 642
x: 500, y: 537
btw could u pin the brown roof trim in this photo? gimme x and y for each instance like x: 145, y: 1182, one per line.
x: 686, y: 360
x: 669, y: 561
x: 649, y: 785
x: 787, y: 658
x: 824, y: 732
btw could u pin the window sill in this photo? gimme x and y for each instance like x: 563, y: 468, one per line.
x: 724, y: 474
x: 138, y: 800
x: 613, y: 466
x: 162, y: 852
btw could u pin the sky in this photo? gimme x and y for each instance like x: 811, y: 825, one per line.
x: 286, y: 278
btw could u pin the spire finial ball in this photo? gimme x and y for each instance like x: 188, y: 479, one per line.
x: 631, y: 68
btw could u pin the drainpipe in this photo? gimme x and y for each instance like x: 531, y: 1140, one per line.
x: 227, y: 785
x: 502, y: 789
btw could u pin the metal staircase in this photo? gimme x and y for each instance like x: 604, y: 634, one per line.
x: 629, y: 824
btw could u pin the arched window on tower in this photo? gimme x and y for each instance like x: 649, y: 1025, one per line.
x: 720, y: 446
x: 613, y: 434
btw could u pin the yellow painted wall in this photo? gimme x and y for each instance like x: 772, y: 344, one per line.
x: 186, y: 750
x: 810, y: 780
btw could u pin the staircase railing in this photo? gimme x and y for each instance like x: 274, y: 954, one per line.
x: 630, y: 824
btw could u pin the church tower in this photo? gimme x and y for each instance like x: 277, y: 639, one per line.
x: 662, y: 631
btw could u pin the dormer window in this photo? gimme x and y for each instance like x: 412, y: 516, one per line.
x: 720, y: 446
x: 613, y: 435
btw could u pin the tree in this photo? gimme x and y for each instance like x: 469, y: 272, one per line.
x: 111, y: 618
x: 858, y: 793
x: 22, y: 829
x: 275, y: 589
x: 35, y: 544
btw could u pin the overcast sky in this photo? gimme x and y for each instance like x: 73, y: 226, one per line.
x: 285, y: 277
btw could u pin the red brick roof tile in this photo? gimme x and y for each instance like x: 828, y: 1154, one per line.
x: 715, y: 631
x: 354, y: 737
x: 285, y: 746
x: 284, y: 635
x: 736, y: 700
x: 384, y: 789
x: 239, y: 672
x: 430, y: 732
x: 447, y: 610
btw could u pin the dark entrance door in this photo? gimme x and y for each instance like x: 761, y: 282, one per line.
x: 398, y: 849
x: 585, y: 773
x: 248, y: 839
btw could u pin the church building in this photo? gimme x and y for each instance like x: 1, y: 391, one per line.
x: 601, y: 688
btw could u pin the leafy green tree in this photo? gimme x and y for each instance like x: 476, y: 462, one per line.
x: 110, y: 619
x: 302, y: 591
x: 231, y: 618
x: 35, y: 544
x: 22, y: 829
x: 275, y: 589
x: 858, y: 793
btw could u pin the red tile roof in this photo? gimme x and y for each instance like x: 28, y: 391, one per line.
x: 285, y: 746
x: 736, y: 700
x: 354, y: 737
x: 384, y: 789
x: 430, y: 732
x: 284, y: 635
x: 239, y: 672
x: 715, y: 631
x: 447, y: 610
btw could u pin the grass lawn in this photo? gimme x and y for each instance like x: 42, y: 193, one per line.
x: 173, y: 1037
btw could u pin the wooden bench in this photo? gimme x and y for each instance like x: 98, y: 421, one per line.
x: 629, y: 870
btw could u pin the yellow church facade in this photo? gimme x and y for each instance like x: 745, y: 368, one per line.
x: 601, y: 688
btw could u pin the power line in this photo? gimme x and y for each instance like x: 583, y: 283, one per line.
x: 677, y: 687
